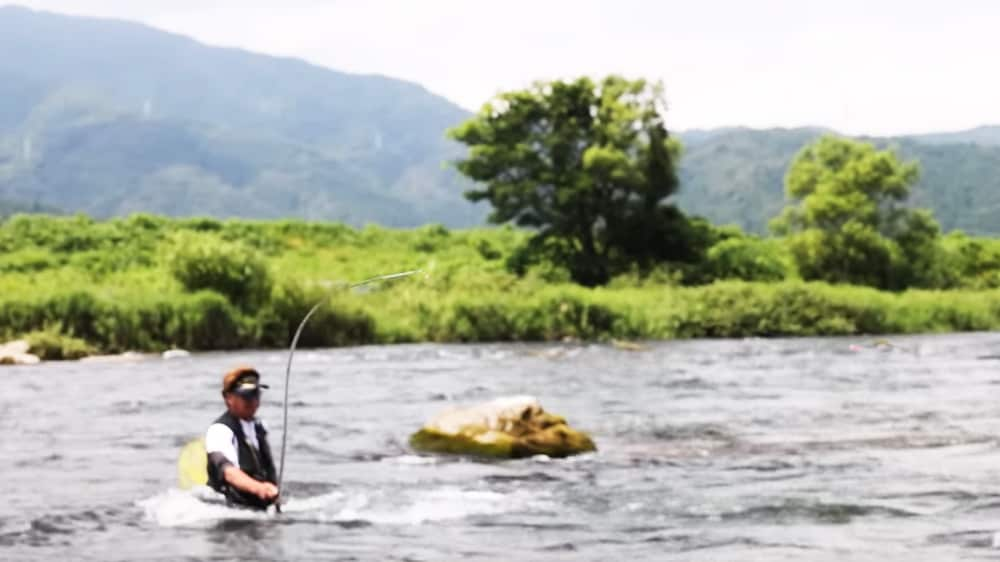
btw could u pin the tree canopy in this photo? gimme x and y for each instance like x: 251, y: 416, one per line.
x: 847, y: 222
x: 589, y: 166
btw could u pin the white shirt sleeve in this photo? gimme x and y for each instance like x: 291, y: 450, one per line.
x: 220, y: 439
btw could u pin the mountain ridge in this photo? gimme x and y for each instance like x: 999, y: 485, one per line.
x: 109, y: 117
x: 383, y: 137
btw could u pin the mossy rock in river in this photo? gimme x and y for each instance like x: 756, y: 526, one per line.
x: 512, y: 427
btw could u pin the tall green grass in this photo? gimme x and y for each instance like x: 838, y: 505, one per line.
x: 152, y: 283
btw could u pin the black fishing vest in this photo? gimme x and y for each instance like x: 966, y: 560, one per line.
x: 258, y: 465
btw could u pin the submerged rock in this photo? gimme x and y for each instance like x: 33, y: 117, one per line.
x: 509, y: 427
x: 126, y: 357
x: 176, y: 353
x: 627, y: 345
x: 16, y: 353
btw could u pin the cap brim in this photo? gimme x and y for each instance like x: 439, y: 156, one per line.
x: 248, y: 388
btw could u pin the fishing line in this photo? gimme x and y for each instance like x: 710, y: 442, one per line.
x: 288, y: 367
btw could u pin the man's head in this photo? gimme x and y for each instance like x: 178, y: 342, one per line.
x: 241, y: 391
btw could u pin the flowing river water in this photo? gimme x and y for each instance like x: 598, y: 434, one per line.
x: 757, y: 449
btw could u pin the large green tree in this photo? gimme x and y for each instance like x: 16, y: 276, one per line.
x: 847, y: 222
x: 589, y: 166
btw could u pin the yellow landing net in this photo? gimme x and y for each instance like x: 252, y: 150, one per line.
x: 191, y: 465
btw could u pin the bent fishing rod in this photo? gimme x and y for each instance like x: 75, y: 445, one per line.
x: 291, y: 353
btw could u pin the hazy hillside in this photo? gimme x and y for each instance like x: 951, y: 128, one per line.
x: 737, y: 177
x: 8, y: 208
x: 959, y: 182
x: 989, y: 134
x: 109, y: 117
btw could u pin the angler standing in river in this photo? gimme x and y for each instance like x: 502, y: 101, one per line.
x: 240, y: 464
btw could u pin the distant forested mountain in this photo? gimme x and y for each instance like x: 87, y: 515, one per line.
x: 109, y: 117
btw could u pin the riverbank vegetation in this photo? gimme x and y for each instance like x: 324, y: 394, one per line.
x: 75, y: 286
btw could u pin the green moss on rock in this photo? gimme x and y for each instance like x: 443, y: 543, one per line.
x: 506, y: 428
x: 54, y: 345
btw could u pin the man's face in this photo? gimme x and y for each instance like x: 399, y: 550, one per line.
x: 243, y: 407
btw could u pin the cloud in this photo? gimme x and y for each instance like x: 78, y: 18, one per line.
x: 871, y: 67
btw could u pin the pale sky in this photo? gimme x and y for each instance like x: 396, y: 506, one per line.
x: 858, y: 66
